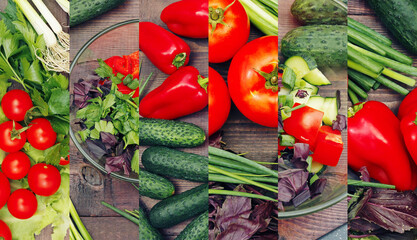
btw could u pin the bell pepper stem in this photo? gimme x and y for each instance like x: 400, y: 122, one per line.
x: 203, y: 82
x: 415, y: 121
x: 179, y: 60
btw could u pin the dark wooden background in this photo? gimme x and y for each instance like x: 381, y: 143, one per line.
x: 315, y: 225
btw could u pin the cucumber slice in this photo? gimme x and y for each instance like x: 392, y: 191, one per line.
x: 317, y: 168
x: 316, y: 102
x: 330, y: 110
x: 301, y: 84
x: 299, y: 100
x: 284, y: 91
x: 316, y: 77
x: 311, y: 62
x: 298, y: 65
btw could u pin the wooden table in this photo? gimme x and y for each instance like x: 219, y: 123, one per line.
x: 315, y: 225
x: 89, y: 186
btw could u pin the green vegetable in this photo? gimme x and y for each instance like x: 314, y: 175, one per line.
x: 358, y: 91
x: 263, y: 14
x: 240, y: 194
x: 176, y: 164
x: 364, y: 60
x: 146, y: 231
x: 364, y: 81
x: 320, y: 11
x: 169, y: 133
x: 179, y: 208
x: 77, y: 226
x: 368, y: 31
x: 197, y: 229
x: 386, y: 82
x: 84, y: 10
x: 353, y: 97
x: 325, y: 43
x: 154, y: 186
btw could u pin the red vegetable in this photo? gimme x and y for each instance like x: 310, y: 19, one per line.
x: 64, y: 161
x: 228, y: 29
x: 409, y: 131
x: 22, y: 204
x: 4, y: 189
x: 16, y: 165
x: 407, y: 105
x: 12, y: 136
x: 304, y: 124
x: 187, y: 18
x: 328, y: 146
x: 15, y: 104
x: 182, y: 93
x: 165, y: 50
x: 5, y: 231
x: 375, y: 141
x: 219, y: 101
x: 40, y: 134
x: 253, y: 80
x: 44, y: 180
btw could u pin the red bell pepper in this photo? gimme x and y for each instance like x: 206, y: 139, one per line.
x: 5, y: 232
x: 375, y: 141
x: 407, y: 105
x: 181, y: 94
x: 328, y: 146
x: 164, y: 49
x: 409, y: 131
x: 187, y: 18
x: 304, y: 124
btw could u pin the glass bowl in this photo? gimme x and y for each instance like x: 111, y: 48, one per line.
x: 119, y: 39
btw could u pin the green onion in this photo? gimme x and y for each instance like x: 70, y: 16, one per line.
x: 399, y: 77
x: 122, y: 213
x: 357, y: 36
x: 78, y: 224
x: 263, y: 14
x: 368, y: 31
x: 358, y: 67
x: 214, y: 177
x: 225, y: 162
x: 360, y: 183
x: 353, y: 97
x: 64, y: 4
x: 240, y: 194
x: 386, y: 82
x: 364, y: 60
x: 364, y: 81
x: 286, y: 140
x: 359, y: 91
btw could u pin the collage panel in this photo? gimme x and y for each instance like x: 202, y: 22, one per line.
x: 313, y: 110
x: 173, y: 103
x: 34, y: 121
x: 104, y: 121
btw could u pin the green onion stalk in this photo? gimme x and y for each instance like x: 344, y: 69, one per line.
x: 263, y: 14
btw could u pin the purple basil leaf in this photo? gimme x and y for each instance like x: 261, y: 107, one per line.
x: 108, y: 139
x: 317, y: 187
x: 364, y: 174
x: 95, y: 149
x: 301, y: 94
x: 303, y: 196
x: 280, y: 122
x: 116, y: 164
x: 358, y: 206
x: 243, y: 229
x: 292, y: 185
x: 215, y: 139
x: 301, y: 150
x: 361, y: 225
x: 340, y: 123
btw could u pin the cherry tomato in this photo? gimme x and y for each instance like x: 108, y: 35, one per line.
x: 44, y: 180
x: 253, y: 80
x: 4, y: 189
x: 40, y: 134
x: 63, y: 161
x: 5, y: 231
x: 11, y: 139
x: 219, y: 101
x: 15, y: 104
x: 22, y: 204
x: 16, y: 165
x: 226, y: 39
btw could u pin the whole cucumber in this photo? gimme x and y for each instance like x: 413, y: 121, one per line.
x: 84, y: 10
x: 178, y: 208
x: 320, y: 11
x: 146, y: 231
x: 154, y: 186
x: 169, y: 133
x: 400, y: 17
x: 327, y: 44
x: 197, y: 229
x: 177, y: 164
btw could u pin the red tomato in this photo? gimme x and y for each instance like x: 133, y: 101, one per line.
x: 15, y: 104
x: 248, y: 88
x: 40, y: 134
x: 22, y: 204
x: 5, y: 231
x: 44, y: 180
x: 63, y: 161
x: 4, y: 189
x: 219, y: 101
x: 226, y: 39
x: 11, y: 139
x: 16, y: 165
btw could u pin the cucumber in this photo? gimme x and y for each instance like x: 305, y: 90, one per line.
x: 169, y: 133
x: 400, y: 17
x: 298, y: 65
x: 320, y: 11
x: 325, y: 43
x: 179, y: 208
x: 317, y: 78
x: 301, y: 84
x: 84, y: 10
x: 154, y: 186
x: 298, y: 99
x: 306, y: 67
x: 316, y: 102
x: 147, y: 232
x: 173, y: 163
x: 197, y: 229
x: 316, y: 167
x: 330, y: 110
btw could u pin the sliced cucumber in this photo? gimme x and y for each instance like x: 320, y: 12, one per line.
x: 301, y: 84
x: 330, y: 110
x: 298, y: 65
x: 311, y: 62
x: 284, y: 91
x: 299, y: 100
x: 316, y: 102
x: 316, y: 77
x: 316, y: 167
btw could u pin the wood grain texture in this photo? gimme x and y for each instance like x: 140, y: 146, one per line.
x: 88, y: 185
x: 318, y: 224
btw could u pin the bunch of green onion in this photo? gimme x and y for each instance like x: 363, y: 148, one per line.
x: 263, y: 14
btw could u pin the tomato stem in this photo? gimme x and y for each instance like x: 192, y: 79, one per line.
x: 216, y: 16
x: 15, y: 134
x: 270, y: 78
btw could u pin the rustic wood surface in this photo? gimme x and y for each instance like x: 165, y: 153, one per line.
x: 318, y: 224
x: 88, y: 185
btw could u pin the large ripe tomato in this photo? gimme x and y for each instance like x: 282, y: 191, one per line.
x: 4, y: 189
x: 228, y: 29
x: 15, y: 104
x: 22, y: 204
x: 44, y: 179
x: 219, y: 101
x: 11, y: 139
x: 16, y: 165
x: 40, y: 134
x: 256, y: 96
x: 5, y: 231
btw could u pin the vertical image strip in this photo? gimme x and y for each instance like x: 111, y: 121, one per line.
x: 34, y: 120
x: 313, y: 119
x: 104, y: 119
x: 382, y: 51
x: 173, y: 124
x: 243, y: 119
